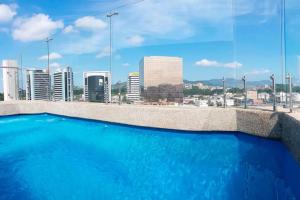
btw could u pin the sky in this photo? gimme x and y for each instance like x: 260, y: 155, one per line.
x: 215, y: 38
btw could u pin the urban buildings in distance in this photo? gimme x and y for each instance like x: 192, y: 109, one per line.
x: 37, y: 85
x: 10, y: 80
x: 161, y: 79
x: 133, y: 87
x: 97, y: 86
x: 63, y: 84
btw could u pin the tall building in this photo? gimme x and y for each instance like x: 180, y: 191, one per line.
x: 252, y: 94
x: 63, y: 84
x: 97, y: 86
x: 161, y: 78
x: 37, y: 85
x: 10, y: 80
x: 133, y: 86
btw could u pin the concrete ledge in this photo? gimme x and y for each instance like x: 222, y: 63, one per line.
x: 279, y: 125
x: 290, y: 134
x: 259, y: 123
x: 148, y: 116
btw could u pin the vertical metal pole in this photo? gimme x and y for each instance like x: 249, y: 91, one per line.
x: 106, y: 88
x: 284, y: 47
x: 224, y: 93
x: 273, y: 92
x: 49, y: 81
x: 289, y: 77
x: 281, y: 52
x: 245, y: 92
x: 22, y: 89
x: 110, y: 15
x: 110, y: 55
x: 110, y: 45
x: 49, y: 84
x: 119, y: 85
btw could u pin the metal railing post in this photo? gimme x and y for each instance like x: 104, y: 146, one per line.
x: 245, y: 92
x: 224, y: 93
x: 274, y: 92
x: 289, y: 78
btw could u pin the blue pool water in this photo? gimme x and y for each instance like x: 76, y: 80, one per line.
x: 52, y: 157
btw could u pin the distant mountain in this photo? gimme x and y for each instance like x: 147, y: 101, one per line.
x: 230, y: 82
x: 119, y: 85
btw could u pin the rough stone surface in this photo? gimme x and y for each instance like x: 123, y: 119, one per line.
x: 290, y: 134
x: 274, y: 125
x: 259, y: 123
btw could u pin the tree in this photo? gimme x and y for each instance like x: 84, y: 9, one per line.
x: 296, y: 89
x: 267, y: 90
x: 236, y: 90
x: 77, y: 91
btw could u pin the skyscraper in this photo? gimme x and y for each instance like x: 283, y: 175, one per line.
x: 97, y: 86
x: 133, y: 86
x: 10, y: 80
x: 161, y: 78
x: 37, y: 85
x: 63, y: 84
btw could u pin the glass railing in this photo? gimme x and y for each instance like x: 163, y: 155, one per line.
x: 169, y: 53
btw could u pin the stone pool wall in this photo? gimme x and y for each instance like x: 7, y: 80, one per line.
x: 267, y: 124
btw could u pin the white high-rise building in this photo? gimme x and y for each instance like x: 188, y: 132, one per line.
x: 133, y: 87
x: 97, y: 86
x: 10, y: 80
x: 37, y: 85
x: 63, y: 84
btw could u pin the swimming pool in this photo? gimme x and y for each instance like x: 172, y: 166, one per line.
x: 52, y: 157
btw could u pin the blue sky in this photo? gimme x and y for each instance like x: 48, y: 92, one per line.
x: 215, y: 38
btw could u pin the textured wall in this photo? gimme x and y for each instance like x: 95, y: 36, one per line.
x: 260, y: 123
x: 290, y: 134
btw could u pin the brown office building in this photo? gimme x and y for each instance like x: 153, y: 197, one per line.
x: 161, y: 79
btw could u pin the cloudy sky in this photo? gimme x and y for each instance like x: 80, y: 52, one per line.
x: 216, y: 38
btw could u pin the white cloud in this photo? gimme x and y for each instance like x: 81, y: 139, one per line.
x: 37, y: 27
x: 125, y: 64
x: 233, y: 65
x: 83, y: 44
x: 52, y: 56
x: 69, y: 29
x: 88, y: 42
x: 55, y: 65
x: 7, y: 12
x: 90, y: 23
x: 258, y: 72
x: 177, y: 20
x: 207, y: 63
x: 105, y: 52
x: 135, y: 40
x: 213, y: 63
x: 150, y: 22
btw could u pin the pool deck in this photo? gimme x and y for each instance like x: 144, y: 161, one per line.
x: 275, y: 125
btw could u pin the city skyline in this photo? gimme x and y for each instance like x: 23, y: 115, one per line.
x: 241, y: 40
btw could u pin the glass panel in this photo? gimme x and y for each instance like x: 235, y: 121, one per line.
x: 292, y: 30
x: 148, y: 33
x: 257, y: 47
